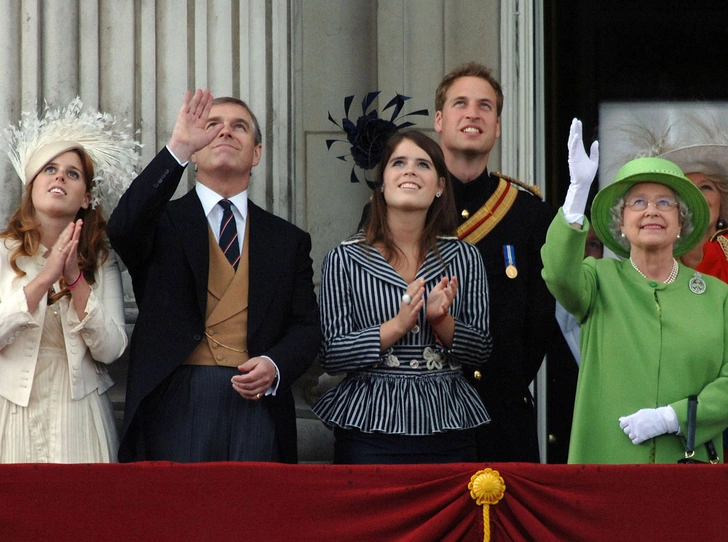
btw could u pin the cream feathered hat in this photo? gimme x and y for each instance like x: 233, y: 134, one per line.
x: 37, y: 139
x: 697, y: 142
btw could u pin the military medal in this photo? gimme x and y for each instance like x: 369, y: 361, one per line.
x: 697, y: 284
x: 509, y: 254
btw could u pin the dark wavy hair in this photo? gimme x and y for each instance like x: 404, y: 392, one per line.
x: 441, y: 216
x: 93, y: 246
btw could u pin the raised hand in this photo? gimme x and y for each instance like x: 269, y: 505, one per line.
x: 190, y: 133
x: 582, y: 170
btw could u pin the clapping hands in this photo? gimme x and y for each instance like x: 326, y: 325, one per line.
x: 63, y: 257
x: 441, y: 297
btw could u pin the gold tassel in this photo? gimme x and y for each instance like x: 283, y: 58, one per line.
x: 486, y: 488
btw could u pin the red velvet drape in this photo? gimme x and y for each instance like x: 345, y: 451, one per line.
x: 262, y: 501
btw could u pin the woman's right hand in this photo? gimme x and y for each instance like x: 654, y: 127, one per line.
x: 582, y: 168
x: 408, y: 312
x: 393, y: 330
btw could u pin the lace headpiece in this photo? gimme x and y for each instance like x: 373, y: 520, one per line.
x: 37, y: 139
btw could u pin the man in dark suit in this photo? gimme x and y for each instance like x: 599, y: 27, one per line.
x: 507, y: 221
x: 224, y: 329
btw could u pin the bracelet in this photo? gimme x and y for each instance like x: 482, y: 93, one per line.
x: 439, y: 320
x: 75, y: 282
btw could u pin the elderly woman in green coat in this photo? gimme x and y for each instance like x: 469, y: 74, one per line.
x: 654, y: 332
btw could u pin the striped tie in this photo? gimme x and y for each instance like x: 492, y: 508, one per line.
x: 229, y: 234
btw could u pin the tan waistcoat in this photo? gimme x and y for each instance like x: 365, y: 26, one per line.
x: 226, y: 322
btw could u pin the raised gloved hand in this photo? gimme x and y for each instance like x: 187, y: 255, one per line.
x: 582, y: 170
x: 648, y: 423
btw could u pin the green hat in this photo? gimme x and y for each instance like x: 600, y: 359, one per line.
x: 654, y: 170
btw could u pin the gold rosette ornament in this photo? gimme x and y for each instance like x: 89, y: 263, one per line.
x: 486, y: 487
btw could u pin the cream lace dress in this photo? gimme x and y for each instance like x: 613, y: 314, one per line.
x: 54, y: 428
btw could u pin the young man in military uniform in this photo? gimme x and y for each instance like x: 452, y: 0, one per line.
x: 507, y: 221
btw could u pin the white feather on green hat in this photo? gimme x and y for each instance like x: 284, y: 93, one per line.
x: 36, y: 140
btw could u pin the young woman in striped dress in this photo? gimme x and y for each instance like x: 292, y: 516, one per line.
x: 404, y: 305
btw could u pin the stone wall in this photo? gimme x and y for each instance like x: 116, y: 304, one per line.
x: 292, y: 61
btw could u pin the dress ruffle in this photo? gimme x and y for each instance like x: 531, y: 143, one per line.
x: 390, y: 402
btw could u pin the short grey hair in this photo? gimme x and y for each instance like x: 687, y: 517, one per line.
x: 257, y: 135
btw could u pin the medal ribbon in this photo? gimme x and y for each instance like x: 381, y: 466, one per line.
x: 509, y: 255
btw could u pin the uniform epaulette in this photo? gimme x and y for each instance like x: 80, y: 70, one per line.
x: 532, y: 188
x: 721, y: 236
x: 720, y: 233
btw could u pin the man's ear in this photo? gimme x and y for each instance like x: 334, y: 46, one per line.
x: 257, y: 152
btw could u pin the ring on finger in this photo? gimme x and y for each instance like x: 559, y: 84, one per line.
x: 406, y: 299
x: 258, y: 395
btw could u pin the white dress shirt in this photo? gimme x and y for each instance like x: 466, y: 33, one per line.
x: 213, y: 211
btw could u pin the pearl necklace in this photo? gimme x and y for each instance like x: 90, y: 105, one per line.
x: 670, y: 278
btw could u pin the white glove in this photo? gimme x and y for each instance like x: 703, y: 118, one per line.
x: 582, y: 169
x: 648, y: 423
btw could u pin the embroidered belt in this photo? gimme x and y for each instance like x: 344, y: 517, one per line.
x: 432, y: 359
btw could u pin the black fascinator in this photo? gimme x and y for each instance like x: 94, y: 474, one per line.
x: 368, y: 136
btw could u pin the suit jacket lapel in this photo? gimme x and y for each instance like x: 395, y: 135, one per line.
x: 187, y: 216
x: 262, y: 268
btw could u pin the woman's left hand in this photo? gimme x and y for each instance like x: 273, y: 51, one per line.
x: 441, y: 297
x: 649, y: 423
